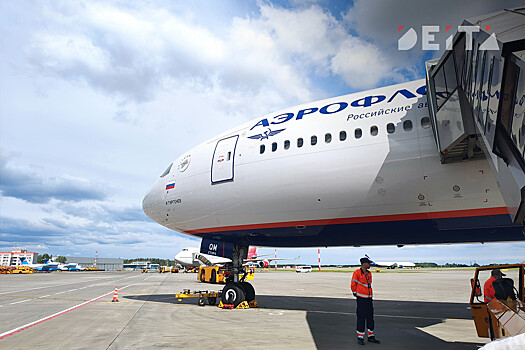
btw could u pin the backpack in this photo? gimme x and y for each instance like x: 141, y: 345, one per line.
x: 504, y: 288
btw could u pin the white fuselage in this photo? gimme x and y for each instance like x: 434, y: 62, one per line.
x: 374, y: 167
x: 188, y: 257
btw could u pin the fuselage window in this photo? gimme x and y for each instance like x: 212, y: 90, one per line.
x: 299, y: 142
x: 261, y: 149
x: 167, y: 171
x: 390, y: 128
x: 313, y: 140
x: 425, y: 122
x: 342, y: 135
x: 274, y: 146
x: 373, y: 130
x: 286, y: 144
x: 407, y: 125
x: 358, y: 133
x: 328, y: 138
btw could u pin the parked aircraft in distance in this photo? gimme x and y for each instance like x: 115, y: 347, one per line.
x: 191, y: 257
x: 391, y: 264
x: 47, y: 266
x: 71, y: 267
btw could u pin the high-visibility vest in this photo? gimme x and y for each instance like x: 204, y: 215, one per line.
x: 362, y: 284
x: 488, y: 290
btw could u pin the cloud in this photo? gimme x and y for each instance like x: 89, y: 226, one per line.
x: 362, y: 64
x: 134, y: 52
x: 69, y: 235
x: 104, y: 212
x: 377, y: 22
x: 29, y: 186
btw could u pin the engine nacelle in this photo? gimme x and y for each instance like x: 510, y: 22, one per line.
x: 264, y: 264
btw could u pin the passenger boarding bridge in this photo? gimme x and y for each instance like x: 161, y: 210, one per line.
x: 476, y: 100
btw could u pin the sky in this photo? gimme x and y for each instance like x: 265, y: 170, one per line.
x: 97, y: 98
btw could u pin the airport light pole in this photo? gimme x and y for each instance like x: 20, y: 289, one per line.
x: 319, y: 254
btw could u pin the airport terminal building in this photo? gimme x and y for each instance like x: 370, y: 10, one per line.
x: 12, y: 258
x: 108, y: 264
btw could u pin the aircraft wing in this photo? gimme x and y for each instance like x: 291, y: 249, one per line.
x: 270, y: 259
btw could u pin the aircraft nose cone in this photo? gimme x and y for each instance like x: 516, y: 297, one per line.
x: 149, y: 202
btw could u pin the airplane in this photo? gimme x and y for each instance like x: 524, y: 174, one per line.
x: 391, y: 264
x: 358, y: 169
x: 47, y: 266
x: 191, y: 257
x: 71, y: 267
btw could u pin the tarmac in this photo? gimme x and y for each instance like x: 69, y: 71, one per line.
x: 414, y: 309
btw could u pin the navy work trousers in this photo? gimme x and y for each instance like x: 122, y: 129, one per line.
x: 365, y: 313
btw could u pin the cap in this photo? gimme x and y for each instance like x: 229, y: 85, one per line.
x: 364, y: 260
x: 497, y: 272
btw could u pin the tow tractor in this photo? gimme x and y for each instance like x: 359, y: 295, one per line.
x: 503, y: 316
x: 203, y: 295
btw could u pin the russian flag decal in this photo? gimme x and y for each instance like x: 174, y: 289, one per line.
x: 170, y: 186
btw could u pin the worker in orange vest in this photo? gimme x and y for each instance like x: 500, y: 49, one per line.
x: 488, y: 289
x: 361, y: 286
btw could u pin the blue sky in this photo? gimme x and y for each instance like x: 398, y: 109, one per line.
x: 98, y: 97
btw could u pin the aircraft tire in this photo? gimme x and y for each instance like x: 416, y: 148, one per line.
x: 202, y: 276
x: 249, y: 291
x: 213, y: 277
x: 232, y: 293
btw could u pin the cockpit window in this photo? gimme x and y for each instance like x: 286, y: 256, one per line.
x: 167, y: 171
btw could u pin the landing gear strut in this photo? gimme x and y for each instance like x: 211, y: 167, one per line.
x: 237, y: 290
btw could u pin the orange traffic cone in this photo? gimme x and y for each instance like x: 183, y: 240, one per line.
x: 115, y: 296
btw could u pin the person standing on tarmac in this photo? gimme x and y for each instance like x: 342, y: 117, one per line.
x: 488, y: 289
x: 361, y: 286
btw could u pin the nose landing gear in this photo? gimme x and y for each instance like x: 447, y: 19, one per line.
x: 237, y: 290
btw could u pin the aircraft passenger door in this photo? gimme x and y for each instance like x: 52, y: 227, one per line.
x: 223, y: 160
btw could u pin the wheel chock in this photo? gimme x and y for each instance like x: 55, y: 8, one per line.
x: 243, y: 305
x: 221, y: 305
x: 253, y: 304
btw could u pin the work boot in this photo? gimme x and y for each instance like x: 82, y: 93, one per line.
x: 360, y: 341
x: 373, y: 340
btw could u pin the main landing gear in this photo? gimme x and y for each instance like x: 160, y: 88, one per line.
x: 237, y: 290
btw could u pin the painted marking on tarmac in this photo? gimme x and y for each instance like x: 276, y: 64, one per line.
x: 51, y: 286
x: 18, y: 302
x: 44, y: 296
x: 61, y: 292
x: 34, y: 323
x: 72, y: 290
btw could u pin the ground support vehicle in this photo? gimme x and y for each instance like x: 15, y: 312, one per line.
x: 502, y: 317
x: 7, y: 270
x: 23, y: 269
x: 204, y: 296
x: 219, y: 274
x: 210, y: 297
x: 174, y: 270
x: 92, y: 268
x: 211, y: 274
